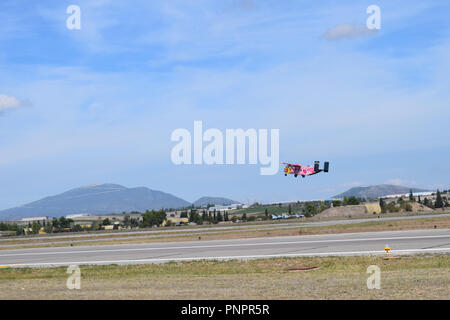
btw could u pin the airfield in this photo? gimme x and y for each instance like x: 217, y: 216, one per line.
x: 241, y: 241
x: 352, y: 244
x: 295, y: 259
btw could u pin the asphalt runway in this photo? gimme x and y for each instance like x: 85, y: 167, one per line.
x: 185, y: 231
x: 371, y: 243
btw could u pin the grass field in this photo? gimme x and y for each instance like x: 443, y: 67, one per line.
x: 412, y: 277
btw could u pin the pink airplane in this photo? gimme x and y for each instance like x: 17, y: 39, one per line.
x: 300, y: 169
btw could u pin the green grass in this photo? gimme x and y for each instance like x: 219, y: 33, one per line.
x: 213, y: 267
x: 411, y: 277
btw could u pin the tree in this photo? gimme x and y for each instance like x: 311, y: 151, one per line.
x: 337, y: 203
x: 322, y: 207
x: 382, y: 205
x: 289, y: 209
x: 310, y: 210
x: 126, y: 221
x: 266, y: 213
x: 55, y: 223
x: 439, y: 203
x: 192, y: 215
x: 134, y: 223
x: 350, y: 201
x: 152, y: 218
x: 106, y: 222
x: 14, y: 227
x: 77, y: 228
x: 48, y: 228
x: 244, y: 217
x: 198, y: 218
x: 64, y: 223
x: 35, y: 227
x: 411, y: 197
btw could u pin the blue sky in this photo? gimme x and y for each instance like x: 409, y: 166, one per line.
x: 99, y: 104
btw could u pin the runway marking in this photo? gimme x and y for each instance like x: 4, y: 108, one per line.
x: 378, y: 252
x: 224, y: 245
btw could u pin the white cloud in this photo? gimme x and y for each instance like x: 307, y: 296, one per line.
x: 347, y: 31
x: 401, y: 182
x: 9, y: 102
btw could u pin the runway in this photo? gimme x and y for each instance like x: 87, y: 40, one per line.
x: 369, y: 243
x: 187, y: 231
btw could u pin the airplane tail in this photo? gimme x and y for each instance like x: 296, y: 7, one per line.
x: 326, y: 166
x: 316, y: 166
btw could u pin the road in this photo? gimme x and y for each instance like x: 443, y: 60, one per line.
x: 371, y: 243
x: 186, y: 231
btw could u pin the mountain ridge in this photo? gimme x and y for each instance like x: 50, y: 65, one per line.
x: 204, y: 201
x: 377, y: 191
x: 96, y: 199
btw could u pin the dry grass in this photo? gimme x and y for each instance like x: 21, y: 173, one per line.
x: 413, y: 277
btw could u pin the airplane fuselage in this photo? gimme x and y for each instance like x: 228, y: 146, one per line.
x: 300, y: 170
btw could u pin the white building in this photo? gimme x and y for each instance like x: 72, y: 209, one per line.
x: 415, y: 194
x: 79, y: 215
x: 30, y: 219
x: 233, y: 206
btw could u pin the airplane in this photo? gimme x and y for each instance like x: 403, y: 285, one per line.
x: 275, y: 217
x: 300, y: 169
x: 285, y: 216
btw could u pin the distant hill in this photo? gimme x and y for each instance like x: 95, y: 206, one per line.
x: 96, y: 199
x: 377, y: 191
x: 204, y: 201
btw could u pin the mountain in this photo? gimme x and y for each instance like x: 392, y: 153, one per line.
x: 204, y: 201
x: 377, y: 191
x: 96, y: 199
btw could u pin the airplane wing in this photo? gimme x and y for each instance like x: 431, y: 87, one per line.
x: 296, y: 168
x: 293, y: 165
